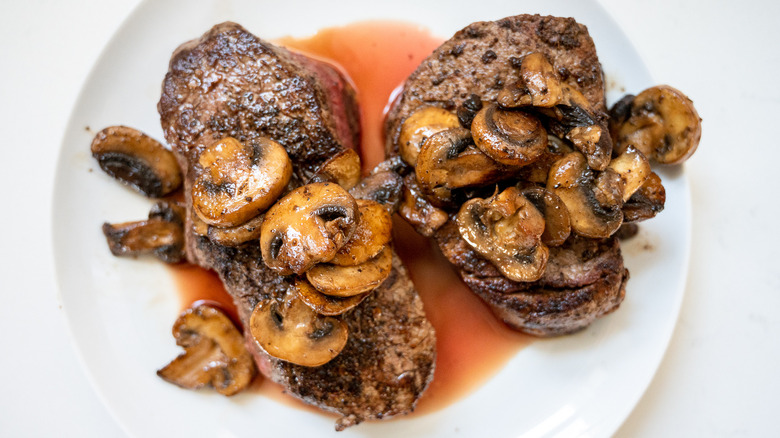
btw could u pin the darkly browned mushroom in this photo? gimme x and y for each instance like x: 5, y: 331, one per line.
x: 162, y: 235
x: 290, y: 330
x: 347, y: 281
x: 325, y: 304
x: 661, y: 122
x: 415, y: 209
x: 506, y: 229
x: 512, y: 138
x: 449, y: 160
x: 238, y: 181
x: 420, y: 125
x: 234, y: 236
x: 594, y: 210
x: 307, y: 226
x: 214, y: 353
x: 343, y: 169
x: 372, y: 234
x: 382, y: 186
x: 647, y: 201
x: 137, y: 160
x: 570, y: 112
x: 557, y: 225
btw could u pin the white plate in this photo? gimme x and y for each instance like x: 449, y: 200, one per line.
x: 120, y: 311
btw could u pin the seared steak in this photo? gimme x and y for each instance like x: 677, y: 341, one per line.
x: 230, y: 83
x: 584, y: 278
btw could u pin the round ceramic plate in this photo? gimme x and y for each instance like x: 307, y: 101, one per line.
x: 120, y: 311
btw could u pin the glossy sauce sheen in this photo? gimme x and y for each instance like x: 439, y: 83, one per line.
x: 472, y: 345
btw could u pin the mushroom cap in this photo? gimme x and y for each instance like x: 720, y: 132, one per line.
x: 506, y: 229
x: 343, y: 169
x: 162, y: 235
x: 137, y: 160
x: 420, y: 125
x: 290, y: 330
x: 372, y: 234
x: 539, y: 85
x: 325, y: 304
x: 647, y: 201
x: 236, y: 182
x: 512, y: 138
x: 307, y: 226
x: 575, y: 184
x: 663, y: 124
x: 238, y: 235
x: 214, y: 352
x: 347, y: 281
x: 557, y: 224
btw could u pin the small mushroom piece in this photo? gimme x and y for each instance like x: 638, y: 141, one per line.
x: 347, y: 281
x: 663, y: 124
x: 506, y: 229
x: 415, y: 209
x: 290, y: 330
x: 539, y: 85
x: 137, y: 160
x: 343, y: 169
x: 419, y: 126
x: 633, y: 168
x: 326, y: 304
x: 238, y: 181
x: 449, y: 160
x: 382, y: 186
x: 214, y: 353
x: 646, y: 202
x: 238, y: 235
x: 162, y: 235
x: 575, y: 184
x: 512, y: 138
x: 372, y: 234
x: 307, y: 226
x: 468, y: 110
x: 557, y: 225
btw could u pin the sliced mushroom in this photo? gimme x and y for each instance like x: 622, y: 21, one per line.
x: 372, y: 234
x: 290, y: 330
x: 663, y: 124
x: 633, y: 168
x: 468, y: 110
x: 539, y: 85
x: 382, y: 186
x: 512, y: 138
x: 557, y: 225
x: 646, y: 202
x: 419, y: 126
x: 326, y: 304
x: 347, y: 281
x: 343, y: 169
x: 237, y: 181
x: 506, y: 229
x: 198, y: 226
x: 161, y: 235
x: 137, y: 160
x: 307, y: 226
x: 214, y: 353
x: 415, y: 208
x: 449, y: 160
x: 240, y: 234
x: 575, y: 184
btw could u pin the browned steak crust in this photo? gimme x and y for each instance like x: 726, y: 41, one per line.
x: 585, y: 278
x: 230, y: 83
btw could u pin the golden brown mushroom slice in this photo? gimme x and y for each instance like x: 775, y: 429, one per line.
x: 506, y: 229
x: 557, y: 225
x: 162, y: 235
x: 449, y: 160
x: 238, y: 181
x: 418, y: 211
x: 325, y: 304
x: 372, y: 234
x: 594, y: 209
x: 662, y: 123
x: 137, y: 160
x: 214, y: 352
x: 343, y: 169
x: 347, y: 281
x: 419, y: 126
x: 512, y: 138
x: 238, y: 235
x: 646, y: 202
x: 539, y: 85
x: 307, y: 226
x: 290, y: 330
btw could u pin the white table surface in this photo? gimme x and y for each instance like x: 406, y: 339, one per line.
x: 719, y: 376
